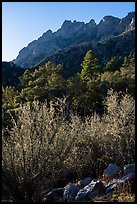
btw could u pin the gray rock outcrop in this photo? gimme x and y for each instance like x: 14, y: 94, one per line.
x: 70, y: 191
x: 84, y: 182
x: 116, y: 183
x: 80, y: 192
x: 94, y: 188
x: 107, y: 27
x: 54, y: 195
x: 112, y: 171
x: 73, y: 33
x: 128, y: 169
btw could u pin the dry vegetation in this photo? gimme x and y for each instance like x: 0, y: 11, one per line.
x: 45, y: 149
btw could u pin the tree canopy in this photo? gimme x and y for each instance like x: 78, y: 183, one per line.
x: 90, y: 65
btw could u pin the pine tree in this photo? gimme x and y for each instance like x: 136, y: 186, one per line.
x: 112, y: 65
x: 90, y: 65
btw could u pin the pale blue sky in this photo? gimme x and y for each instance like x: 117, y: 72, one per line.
x: 23, y: 22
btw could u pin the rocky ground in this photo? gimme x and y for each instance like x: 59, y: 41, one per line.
x: 115, y: 185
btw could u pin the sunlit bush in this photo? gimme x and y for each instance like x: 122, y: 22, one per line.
x: 45, y: 146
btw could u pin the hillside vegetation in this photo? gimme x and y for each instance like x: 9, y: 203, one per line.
x: 57, y: 130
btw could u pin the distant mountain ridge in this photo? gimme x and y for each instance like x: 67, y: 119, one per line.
x: 75, y: 33
x: 72, y: 57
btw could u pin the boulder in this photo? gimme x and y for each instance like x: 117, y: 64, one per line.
x: 110, y: 186
x: 112, y: 171
x: 115, y: 183
x: 94, y: 188
x: 54, y: 195
x: 70, y: 191
x: 84, y: 182
x: 130, y: 168
x: 128, y: 177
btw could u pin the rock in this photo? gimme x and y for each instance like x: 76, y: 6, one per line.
x: 128, y: 177
x: 107, y: 27
x: 92, y: 189
x: 87, y: 188
x: 132, y: 24
x: 112, y: 171
x: 130, y: 168
x: 84, y: 182
x: 70, y: 34
x: 126, y: 23
x: 116, y: 183
x: 70, y: 191
x: 54, y: 195
x: 110, y: 186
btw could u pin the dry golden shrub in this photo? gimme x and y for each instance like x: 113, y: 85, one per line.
x: 44, y: 147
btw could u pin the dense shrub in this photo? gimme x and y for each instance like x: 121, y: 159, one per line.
x: 46, y: 147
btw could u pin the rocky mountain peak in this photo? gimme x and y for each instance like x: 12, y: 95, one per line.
x: 66, y: 24
x: 69, y: 29
x: 110, y: 19
x: 125, y: 22
x: 48, y: 33
x: 73, y: 33
x: 91, y: 23
x: 46, y: 36
x: 130, y: 15
x: 107, y: 27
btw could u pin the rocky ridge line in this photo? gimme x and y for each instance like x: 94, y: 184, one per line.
x: 74, y: 33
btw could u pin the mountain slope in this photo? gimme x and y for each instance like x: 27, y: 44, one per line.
x: 11, y: 74
x: 72, y: 57
x: 73, y: 34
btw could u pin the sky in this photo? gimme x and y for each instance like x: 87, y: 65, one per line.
x: 23, y: 22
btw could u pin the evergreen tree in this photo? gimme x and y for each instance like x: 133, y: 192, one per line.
x: 90, y: 66
x: 112, y: 65
x: 25, y: 78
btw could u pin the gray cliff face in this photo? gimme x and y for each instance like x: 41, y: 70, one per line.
x: 107, y: 27
x: 75, y: 29
x: 73, y: 33
x: 125, y: 22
